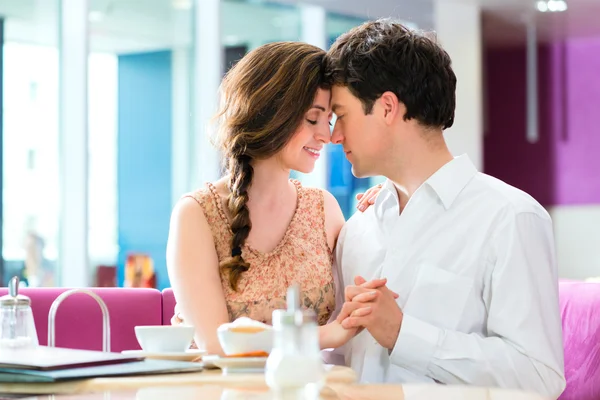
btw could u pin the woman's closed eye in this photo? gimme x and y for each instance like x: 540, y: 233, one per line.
x: 310, y: 121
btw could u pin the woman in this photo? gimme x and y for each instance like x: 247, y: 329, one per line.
x: 236, y: 245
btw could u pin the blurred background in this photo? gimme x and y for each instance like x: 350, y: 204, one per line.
x: 104, y: 105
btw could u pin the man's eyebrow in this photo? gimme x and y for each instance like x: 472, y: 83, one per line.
x: 336, y: 106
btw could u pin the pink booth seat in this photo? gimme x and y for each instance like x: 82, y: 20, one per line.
x: 79, y: 319
x: 580, y: 312
x: 168, y: 306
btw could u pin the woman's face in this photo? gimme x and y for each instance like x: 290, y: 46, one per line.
x: 304, y: 149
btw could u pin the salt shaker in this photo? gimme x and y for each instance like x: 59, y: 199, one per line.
x: 295, y: 362
x: 17, y: 328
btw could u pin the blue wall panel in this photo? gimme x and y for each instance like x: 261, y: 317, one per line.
x: 144, y: 158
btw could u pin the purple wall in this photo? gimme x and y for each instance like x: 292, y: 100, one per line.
x: 563, y: 167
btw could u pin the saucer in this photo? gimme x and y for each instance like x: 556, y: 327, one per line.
x: 188, y: 355
x: 235, y: 364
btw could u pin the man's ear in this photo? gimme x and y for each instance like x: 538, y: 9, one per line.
x: 391, y: 107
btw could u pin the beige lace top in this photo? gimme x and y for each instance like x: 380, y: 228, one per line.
x: 302, y: 256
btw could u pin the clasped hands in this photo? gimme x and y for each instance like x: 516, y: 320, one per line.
x: 372, y: 306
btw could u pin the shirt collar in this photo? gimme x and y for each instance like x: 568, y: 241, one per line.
x: 447, y: 182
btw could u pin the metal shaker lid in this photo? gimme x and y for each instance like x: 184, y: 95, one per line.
x: 13, y: 298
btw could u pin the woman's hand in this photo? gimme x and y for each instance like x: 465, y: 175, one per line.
x: 334, y: 335
x: 367, y: 199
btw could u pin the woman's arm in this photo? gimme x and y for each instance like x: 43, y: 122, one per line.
x: 333, y: 335
x: 334, y: 219
x: 193, y: 268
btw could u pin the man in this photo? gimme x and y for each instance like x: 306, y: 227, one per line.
x: 471, y: 257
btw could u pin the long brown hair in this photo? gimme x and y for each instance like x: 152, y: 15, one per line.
x: 263, y: 100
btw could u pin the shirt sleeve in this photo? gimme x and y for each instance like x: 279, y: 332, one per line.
x: 523, y: 348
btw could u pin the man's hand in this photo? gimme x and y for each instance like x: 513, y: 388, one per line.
x: 362, y: 286
x: 374, y: 284
x: 374, y: 309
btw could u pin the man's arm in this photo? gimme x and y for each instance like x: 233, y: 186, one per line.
x: 523, y: 348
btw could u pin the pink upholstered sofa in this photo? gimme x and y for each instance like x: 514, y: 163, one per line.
x: 79, y: 325
x: 79, y: 318
x: 580, y: 312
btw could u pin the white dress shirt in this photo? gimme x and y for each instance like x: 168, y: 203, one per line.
x: 473, y: 261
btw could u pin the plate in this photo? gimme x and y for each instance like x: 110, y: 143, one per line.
x: 188, y: 355
x: 235, y: 364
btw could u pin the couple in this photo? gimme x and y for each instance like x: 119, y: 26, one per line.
x: 449, y: 276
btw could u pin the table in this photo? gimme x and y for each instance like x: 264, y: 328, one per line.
x: 209, y: 377
x: 332, y: 391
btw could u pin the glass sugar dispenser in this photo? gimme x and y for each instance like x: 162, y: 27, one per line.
x: 295, y: 364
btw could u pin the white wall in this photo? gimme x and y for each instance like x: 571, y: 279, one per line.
x: 458, y: 28
x: 577, y: 232
x: 417, y: 12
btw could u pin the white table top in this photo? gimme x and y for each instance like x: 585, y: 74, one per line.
x: 332, y: 391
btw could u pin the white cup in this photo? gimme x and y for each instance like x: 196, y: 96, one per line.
x: 245, y: 335
x: 164, y: 338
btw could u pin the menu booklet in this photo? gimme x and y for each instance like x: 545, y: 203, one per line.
x: 44, y: 358
x: 49, y: 364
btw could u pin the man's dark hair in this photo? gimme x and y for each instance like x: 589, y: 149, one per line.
x: 384, y: 55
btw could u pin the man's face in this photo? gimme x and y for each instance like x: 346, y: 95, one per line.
x: 363, y: 136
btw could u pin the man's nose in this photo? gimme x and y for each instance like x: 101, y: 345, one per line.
x: 337, y: 136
